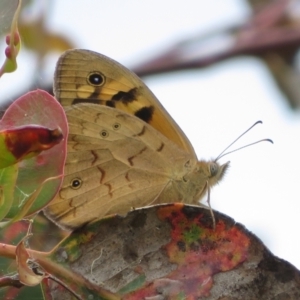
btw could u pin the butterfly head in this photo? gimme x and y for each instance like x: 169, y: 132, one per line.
x: 216, y: 171
x: 205, y: 175
x: 210, y: 173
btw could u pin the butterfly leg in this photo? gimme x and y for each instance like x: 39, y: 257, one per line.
x: 210, y: 209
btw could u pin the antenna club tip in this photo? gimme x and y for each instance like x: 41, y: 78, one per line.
x: 258, y: 122
x: 269, y: 140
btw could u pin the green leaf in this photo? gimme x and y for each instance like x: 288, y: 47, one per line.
x: 33, y: 115
x: 8, y: 178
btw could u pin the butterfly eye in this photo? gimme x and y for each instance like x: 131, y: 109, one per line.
x: 104, y: 133
x: 116, y: 126
x: 76, y: 183
x: 214, y: 168
x: 96, y: 79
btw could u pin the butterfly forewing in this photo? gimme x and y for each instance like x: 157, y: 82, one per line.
x: 87, y: 76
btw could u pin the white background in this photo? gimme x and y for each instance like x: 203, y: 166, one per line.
x: 213, y: 106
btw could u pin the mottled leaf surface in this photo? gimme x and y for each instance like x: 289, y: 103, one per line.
x: 168, y: 252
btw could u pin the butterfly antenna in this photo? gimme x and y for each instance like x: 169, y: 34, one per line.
x: 264, y: 140
x: 222, y: 154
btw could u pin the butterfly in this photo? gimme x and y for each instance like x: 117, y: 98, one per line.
x: 124, y: 149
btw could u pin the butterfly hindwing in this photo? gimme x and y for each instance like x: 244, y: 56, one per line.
x: 115, y: 161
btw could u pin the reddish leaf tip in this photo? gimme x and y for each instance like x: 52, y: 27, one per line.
x: 25, y: 140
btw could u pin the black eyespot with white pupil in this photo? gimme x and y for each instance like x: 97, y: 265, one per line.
x: 104, y: 133
x: 214, y: 168
x: 76, y: 183
x: 96, y: 79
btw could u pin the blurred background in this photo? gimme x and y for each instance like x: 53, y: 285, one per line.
x: 216, y: 66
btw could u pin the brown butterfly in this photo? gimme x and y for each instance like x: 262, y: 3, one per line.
x: 124, y: 149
